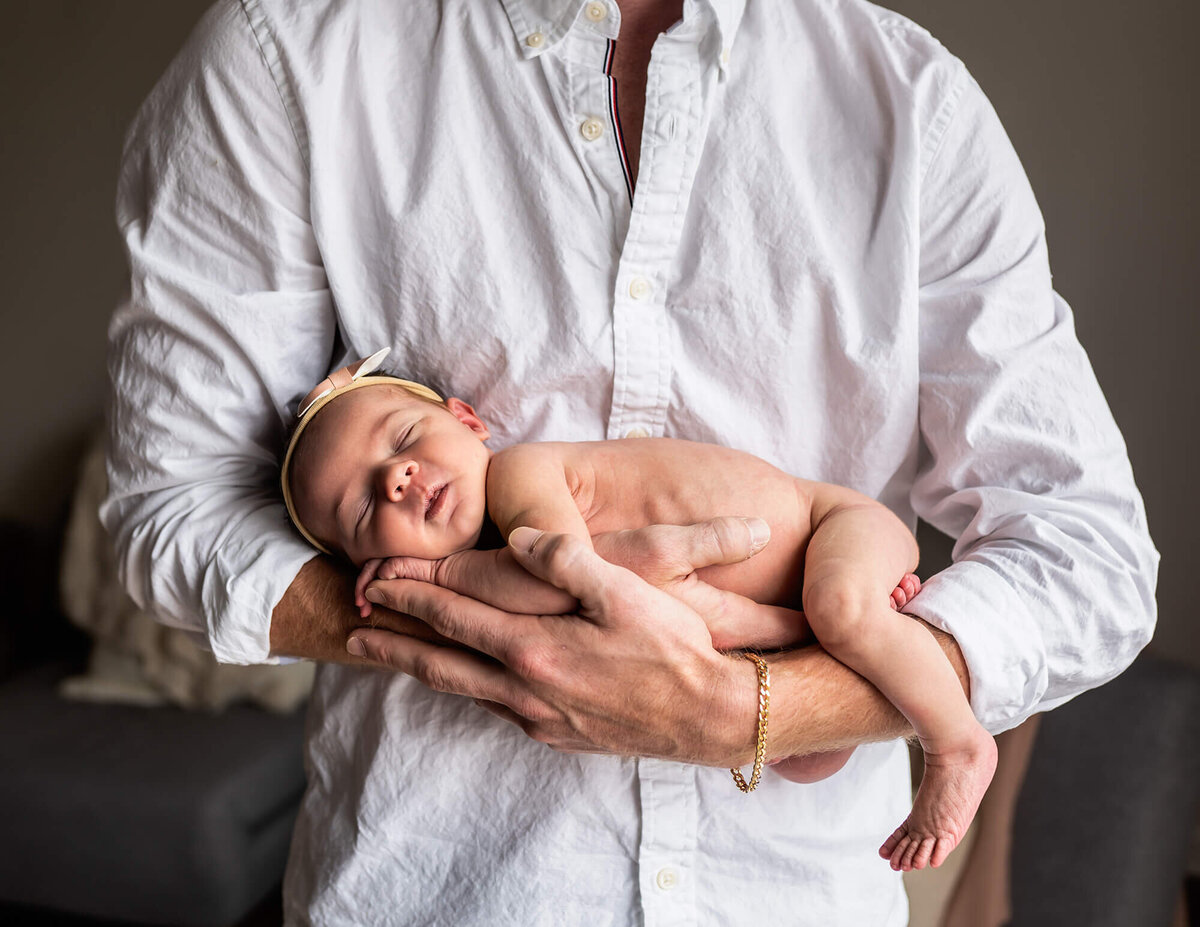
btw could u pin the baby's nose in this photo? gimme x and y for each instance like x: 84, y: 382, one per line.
x: 398, y: 477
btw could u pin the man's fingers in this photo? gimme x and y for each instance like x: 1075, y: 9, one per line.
x: 468, y: 621
x: 444, y: 669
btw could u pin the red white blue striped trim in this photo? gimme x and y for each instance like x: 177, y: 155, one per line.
x: 615, y: 118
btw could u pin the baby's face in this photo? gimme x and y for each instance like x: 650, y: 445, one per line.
x: 381, y: 473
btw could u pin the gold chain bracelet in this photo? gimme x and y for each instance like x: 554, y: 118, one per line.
x: 764, y: 706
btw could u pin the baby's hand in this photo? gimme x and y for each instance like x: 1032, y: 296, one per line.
x: 365, y: 576
x: 391, y: 568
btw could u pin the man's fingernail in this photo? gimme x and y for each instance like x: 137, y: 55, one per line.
x: 373, y: 595
x: 523, y: 538
x: 760, y: 533
x: 355, y: 647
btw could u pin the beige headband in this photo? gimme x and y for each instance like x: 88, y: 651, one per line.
x: 341, y: 381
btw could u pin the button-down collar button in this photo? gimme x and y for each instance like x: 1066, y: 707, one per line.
x: 535, y: 40
x: 724, y: 56
x: 591, y: 129
x: 638, y: 432
x: 666, y: 878
x: 639, y: 288
x: 596, y: 12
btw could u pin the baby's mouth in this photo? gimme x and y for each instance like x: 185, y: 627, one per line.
x: 434, y: 502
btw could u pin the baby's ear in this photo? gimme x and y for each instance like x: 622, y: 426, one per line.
x: 468, y: 416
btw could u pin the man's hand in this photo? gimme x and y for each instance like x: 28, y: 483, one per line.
x: 668, y: 556
x: 633, y: 673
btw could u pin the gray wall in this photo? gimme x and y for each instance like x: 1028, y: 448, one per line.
x: 1099, y: 99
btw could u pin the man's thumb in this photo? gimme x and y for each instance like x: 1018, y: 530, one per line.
x: 728, y: 539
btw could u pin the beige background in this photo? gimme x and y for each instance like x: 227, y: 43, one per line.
x: 1099, y: 98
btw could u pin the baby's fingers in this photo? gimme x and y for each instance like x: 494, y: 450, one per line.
x: 365, y: 576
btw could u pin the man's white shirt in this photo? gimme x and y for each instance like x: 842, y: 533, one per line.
x: 832, y: 260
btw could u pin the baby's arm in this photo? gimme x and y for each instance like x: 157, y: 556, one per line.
x: 527, y: 485
x: 491, y: 576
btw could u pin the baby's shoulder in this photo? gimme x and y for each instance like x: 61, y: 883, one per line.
x: 540, y: 453
x: 522, y: 463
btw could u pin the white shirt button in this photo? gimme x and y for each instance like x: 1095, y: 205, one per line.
x: 724, y: 56
x: 639, y: 287
x: 596, y: 12
x: 535, y: 40
x: 638, y: 432
x: 591, y: 129
x: 666, y: 878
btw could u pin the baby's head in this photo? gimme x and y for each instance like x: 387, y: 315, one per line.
x: 380, y: 471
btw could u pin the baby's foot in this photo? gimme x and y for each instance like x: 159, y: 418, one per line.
x: 947, y: 800
x: 909, y: 587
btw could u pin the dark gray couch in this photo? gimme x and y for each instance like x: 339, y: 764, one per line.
x: 133, y: 815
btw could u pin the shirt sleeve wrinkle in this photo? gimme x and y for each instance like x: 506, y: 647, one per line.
x: 228, y: 319
x: 1052, y: 587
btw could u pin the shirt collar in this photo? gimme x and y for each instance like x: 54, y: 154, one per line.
x: 539, y: 25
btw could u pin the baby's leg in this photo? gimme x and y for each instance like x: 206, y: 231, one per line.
x: 814, y: 767
x: 853, y: 558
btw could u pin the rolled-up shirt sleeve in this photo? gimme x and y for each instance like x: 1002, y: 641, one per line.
x: 1051, y: 590
x: 228, y: 317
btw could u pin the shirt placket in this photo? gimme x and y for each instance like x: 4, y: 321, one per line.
x: 667, y: 851
x: 679, y: 90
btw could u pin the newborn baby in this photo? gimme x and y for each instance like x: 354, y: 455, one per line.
x: 383, y: 471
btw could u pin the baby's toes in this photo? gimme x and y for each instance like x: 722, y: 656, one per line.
x: 914, y: 845
x: 897, y: 860
x: 941, y: 851
x: 924, y: 852
x: 889, y: 845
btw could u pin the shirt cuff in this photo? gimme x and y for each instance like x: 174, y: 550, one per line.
x: 1000, y: 641
x: 252, y: 572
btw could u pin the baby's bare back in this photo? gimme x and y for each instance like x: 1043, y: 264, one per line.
x: 636, y: 482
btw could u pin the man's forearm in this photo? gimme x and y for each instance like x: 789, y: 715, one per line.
x: 819, y: 704
x: 317, y: 613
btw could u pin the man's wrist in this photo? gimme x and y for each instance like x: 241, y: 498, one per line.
x: 737, y: 709
x: 308, y: 620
